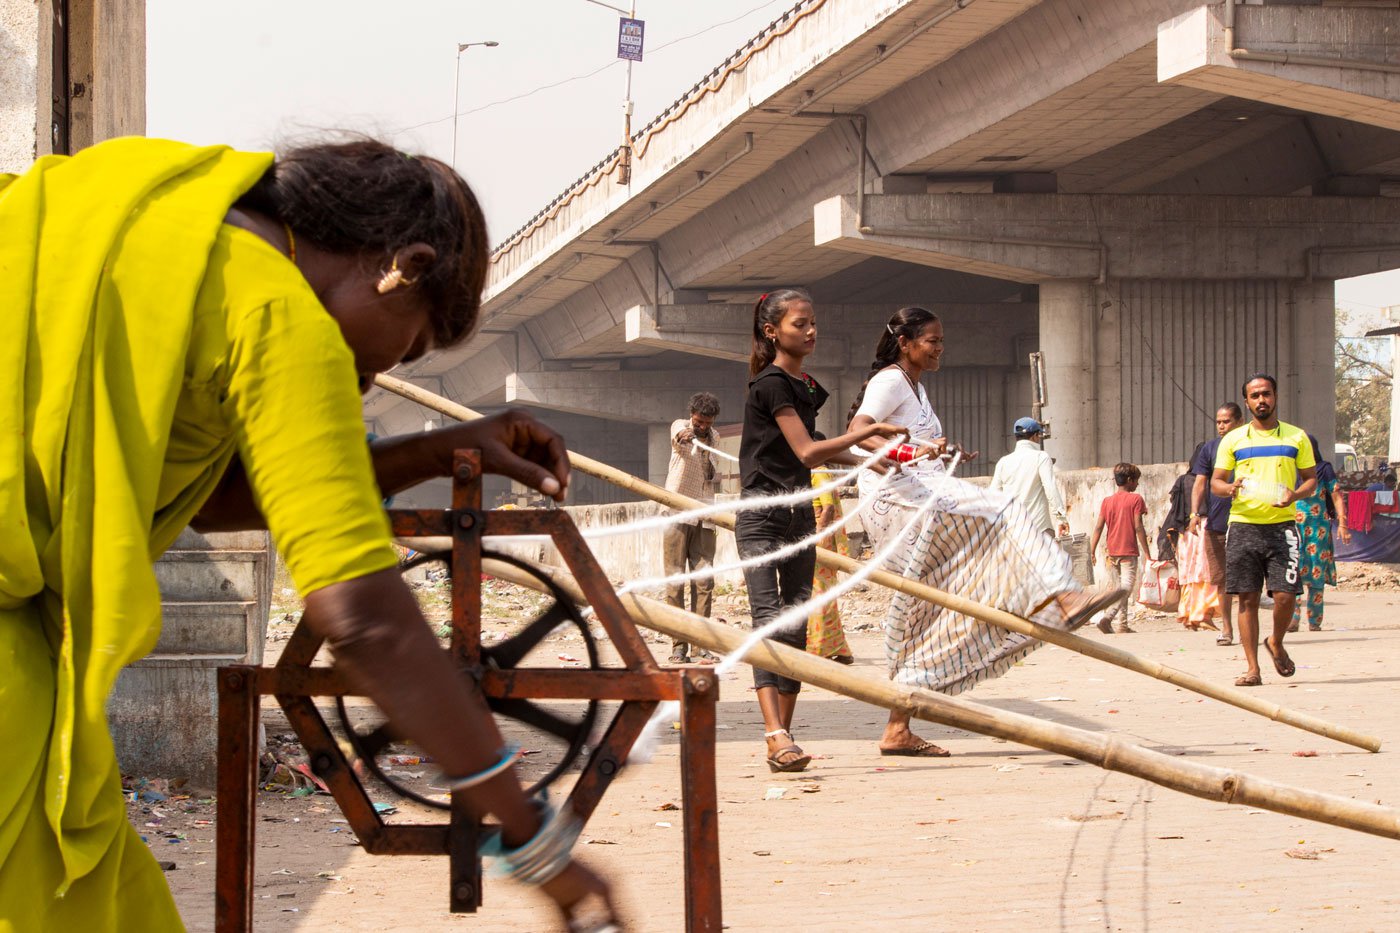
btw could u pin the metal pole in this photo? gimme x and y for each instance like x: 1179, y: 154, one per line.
x: 456, y: 97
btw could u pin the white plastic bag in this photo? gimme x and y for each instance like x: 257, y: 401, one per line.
x: 1160, y: 588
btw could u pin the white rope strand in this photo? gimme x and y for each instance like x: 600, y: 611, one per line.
x: 718, y: 453
x: 645, y: 746
x: 739, y: 505
x: 768, y: 558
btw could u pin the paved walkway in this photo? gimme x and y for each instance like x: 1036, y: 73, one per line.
x: 996, y: 837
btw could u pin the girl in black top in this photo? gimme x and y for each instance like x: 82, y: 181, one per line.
x: 776, y: 456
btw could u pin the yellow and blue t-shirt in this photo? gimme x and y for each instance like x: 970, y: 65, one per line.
x: 1264, y: 460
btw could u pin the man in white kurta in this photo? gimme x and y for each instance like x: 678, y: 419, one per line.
x: 1028, y: 474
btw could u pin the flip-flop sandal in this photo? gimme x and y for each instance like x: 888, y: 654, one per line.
x: 1284, y: 666
x: 922, y: 750
x: 1224, y: 640
x: 678, y: 659
x: 1249, y: 680
x: 705, y: 657
x: 843, y: 659
x: 799, y: 762
x: 1094, y: 606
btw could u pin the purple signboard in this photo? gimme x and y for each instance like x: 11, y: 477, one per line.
x: 629, y: 38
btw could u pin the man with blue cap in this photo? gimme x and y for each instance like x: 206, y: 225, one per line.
x: 1028, y: 474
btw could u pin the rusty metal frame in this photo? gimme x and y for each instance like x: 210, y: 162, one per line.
x: 640, y: 686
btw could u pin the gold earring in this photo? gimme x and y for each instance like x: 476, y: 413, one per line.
x: 393, y: 279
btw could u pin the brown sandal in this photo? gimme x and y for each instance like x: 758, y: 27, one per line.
x: 1249, y: 680
x: 788, y: 758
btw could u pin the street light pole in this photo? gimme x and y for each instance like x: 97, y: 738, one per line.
x: 625, y: 175
x: 457, y: 89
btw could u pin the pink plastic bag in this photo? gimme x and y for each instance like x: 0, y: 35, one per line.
x: 1160, y: 589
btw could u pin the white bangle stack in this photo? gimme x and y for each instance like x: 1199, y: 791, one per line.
x: 544, y: 856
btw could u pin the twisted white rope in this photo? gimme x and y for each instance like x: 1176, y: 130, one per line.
x: 770, y: 557
x: 645, y: 746
x: 719, y: 453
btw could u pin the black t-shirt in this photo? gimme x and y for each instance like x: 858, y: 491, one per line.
x: 765, y: 459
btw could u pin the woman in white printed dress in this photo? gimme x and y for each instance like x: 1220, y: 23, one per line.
x: 976, y: 543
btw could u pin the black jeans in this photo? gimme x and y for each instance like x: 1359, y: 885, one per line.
x: 783, y: 583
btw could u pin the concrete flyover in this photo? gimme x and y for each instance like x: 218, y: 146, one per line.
x: 1156, y: 194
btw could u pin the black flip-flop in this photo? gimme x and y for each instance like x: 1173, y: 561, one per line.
x: 1285, y: 667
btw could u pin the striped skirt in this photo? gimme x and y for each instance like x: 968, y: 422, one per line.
x: 979, y: 545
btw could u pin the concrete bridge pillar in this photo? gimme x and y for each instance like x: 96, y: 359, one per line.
x: 1136, y: 368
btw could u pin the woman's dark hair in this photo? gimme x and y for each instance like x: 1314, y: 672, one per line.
x: 1233, y: 409
x: 363, y: 197
x: 1253, y: 377
x: 770, y: 309
x: 907, y: 323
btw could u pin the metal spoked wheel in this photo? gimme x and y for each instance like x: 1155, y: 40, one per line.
x: 565, y: 733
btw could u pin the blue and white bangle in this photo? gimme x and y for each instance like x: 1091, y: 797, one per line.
x: 509, y: 756
x: 544, y: 856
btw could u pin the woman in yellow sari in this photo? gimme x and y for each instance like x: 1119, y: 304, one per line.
x: 183, y: 339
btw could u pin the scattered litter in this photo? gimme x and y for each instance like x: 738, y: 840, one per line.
x: 328, y: 875
x: 1308, y: 854
x: 384, y: 809
x: 761, y: 852
x: 600, y: 842
x: 809, y: 788
x: 1258, y: 748
x: 666, y: 806
x: 1091, y: 817
x: 1005, y: 768
x: 664, y: 825
x: 774, y: 793
x: 1055, y: 700
x: 410, y: 760
x: 282, y: 871
x: 1171, y: 837
x: 1306, y: 753
x: 167, y: 866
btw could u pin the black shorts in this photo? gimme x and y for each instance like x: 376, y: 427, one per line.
x: 1259, y: 555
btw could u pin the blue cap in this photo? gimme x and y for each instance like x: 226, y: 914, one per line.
x: 1026, y: 427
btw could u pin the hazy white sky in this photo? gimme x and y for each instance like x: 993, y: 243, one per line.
x: 257, y: 73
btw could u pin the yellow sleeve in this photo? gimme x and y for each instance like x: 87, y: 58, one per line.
x: 1305, y: 452
x: 295, y: 407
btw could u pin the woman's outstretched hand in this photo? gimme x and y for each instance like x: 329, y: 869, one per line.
x: 515, y: 445
x: 584, y: 899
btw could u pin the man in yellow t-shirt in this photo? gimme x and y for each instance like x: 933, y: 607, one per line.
x: 1273, y: 466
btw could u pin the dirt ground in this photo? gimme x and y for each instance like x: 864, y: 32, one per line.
x: 996, y: 837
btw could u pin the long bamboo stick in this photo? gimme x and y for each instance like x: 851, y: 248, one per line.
x: 1001, y: 619
x: 1105, y: 751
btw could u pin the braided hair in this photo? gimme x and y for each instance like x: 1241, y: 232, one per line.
x: 907, y: 323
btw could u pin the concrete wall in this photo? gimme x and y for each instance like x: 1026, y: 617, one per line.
x: 1136, y: 368
x: 215, y: 595
x: 19, y: 83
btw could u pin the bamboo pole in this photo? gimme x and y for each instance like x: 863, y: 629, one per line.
x: 1001, y: 619
x: 1105, y: 751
